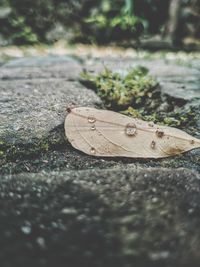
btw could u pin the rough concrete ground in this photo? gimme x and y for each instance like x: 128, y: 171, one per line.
x: 111, y: 217
x: 60, y: 207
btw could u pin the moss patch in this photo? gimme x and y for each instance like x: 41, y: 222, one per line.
x: 179, y: 117
x: 55, y: 140
x: 136, y: 88
x: 138, y: 94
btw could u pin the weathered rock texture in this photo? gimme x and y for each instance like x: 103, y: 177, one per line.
x: 70, y: 209
x: 33, y: 103
x: 113, y: 217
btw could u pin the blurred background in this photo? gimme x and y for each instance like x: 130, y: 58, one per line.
x: 152, y: 24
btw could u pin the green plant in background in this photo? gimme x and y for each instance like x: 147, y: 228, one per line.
x: 3, y: 3
x: 113, y: 20
x: 38, y: 15
x: 30, y: 21
x: 100, y: 21
x: 21, y: 32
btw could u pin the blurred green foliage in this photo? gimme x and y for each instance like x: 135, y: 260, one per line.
x: 95, y: 21
x: 98, y: 21
x: 20, y: 32
x: 112, y: 20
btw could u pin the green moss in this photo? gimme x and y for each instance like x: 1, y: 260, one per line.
x: 136, y: 88
x: 132, y: 112
x: 171, y: 121
x: 44, y: 146
x: 137, y: 94
x: 55, y: 140
x: 181, y: 118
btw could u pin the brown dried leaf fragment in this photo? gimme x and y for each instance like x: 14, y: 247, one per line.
x: 110, y: 134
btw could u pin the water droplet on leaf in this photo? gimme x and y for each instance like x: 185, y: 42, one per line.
x: 93, y: 150
x: 91, y: 119
x: 153, y: 144
x: 26, y: 229
x: 93, y: 127
x: 159, y: 133
x: 130, y: 129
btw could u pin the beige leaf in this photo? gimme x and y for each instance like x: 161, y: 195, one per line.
x: 110, y: 134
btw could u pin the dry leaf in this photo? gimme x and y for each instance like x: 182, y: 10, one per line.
x: 110, y: 134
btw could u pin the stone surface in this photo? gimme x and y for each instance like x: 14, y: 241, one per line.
x: 34, y: 100
x: 113, y: 217
x: 41, y: 67
x: 61, y: 156
x: 61, y: 207
x: 31, y: 109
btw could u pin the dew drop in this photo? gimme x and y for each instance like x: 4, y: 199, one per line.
x: 26, y: 229
x: 151, y: 124
x: 153, y: 144
x: 93, y: 150
x: 91, y: 119
x: 130, y: 129
x: 159, y: 133
x: 41, y: 242
x: 93, y: 127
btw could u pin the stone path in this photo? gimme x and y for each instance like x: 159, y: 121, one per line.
x: 60, y: 207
